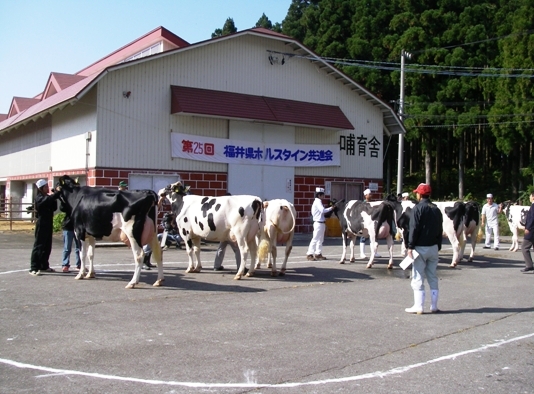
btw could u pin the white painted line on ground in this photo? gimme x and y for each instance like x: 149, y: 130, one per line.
x: 377, y: 374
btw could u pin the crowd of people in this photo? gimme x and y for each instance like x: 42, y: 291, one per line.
x: 424, y: 242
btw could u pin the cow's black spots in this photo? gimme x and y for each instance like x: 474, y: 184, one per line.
x: 217, y: 207
x: 185, y: 219
x: 207, y: 205
x: 211, y: 223
x: 190, y: 243
x: 256, y: 207
x: 241, y: 211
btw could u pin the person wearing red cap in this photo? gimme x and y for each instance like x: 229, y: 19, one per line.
x: 426, y: 232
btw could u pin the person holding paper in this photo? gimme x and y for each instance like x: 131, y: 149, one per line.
x: 426, y: 232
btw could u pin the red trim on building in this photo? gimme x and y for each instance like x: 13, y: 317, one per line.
x: 216, y: 103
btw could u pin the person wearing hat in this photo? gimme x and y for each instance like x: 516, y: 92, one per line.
x: 426, y: 232
x: 405, y: 196
x: 490, y: 221
x: 318, y: 210
x: 123, y: 185
x: 45, y: 205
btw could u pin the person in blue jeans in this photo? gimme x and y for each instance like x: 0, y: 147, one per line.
x: 68, y: 237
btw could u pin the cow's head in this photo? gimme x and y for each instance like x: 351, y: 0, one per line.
x: 65, y: 182
x: 175, y: 188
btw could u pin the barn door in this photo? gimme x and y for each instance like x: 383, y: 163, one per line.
x: 266, y: 182
x: 347, y: 191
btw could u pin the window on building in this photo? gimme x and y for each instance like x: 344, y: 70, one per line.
x: 156, y: 48
x: 347, y: 191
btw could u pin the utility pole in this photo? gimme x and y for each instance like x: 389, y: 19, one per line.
x: 400, y: 160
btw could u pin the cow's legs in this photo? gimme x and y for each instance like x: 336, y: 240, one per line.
x: 515, y: 243
x: 389, y: 240
x: 289, y: 247
x: 455, y: 243
x: 158, y: 257
x: 373, y: 245
x: 193, y: 252
x: 139, y: 256
x: 83, y: 257
x: 344, y: 253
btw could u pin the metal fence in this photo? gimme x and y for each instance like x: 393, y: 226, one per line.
x: 16, y: 212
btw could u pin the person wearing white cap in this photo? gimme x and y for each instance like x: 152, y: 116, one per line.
x: 367, y: 197
x: 405, y: 196
x: 318, y: 210
x: 489, y: 220
x: 45, y: 206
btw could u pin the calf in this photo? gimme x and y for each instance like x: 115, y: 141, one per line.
x: 226, y: 218
x: 279, y: 227
x: 360, y: 218
x: 516, y: 216
x: 113, y: 215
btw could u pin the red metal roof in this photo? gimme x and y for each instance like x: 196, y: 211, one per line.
x: 217, y: 103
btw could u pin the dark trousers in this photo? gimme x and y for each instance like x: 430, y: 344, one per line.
x: 41, y: 247
x: 525, y: 249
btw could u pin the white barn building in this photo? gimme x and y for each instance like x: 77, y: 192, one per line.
x: 255, y: 112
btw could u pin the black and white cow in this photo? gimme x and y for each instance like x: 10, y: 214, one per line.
x: 403, y: 213
x: 516, y: 216
x: 128, y: 216
x: 459, y: 219
x: 226, y: 218
x: 360, y: 218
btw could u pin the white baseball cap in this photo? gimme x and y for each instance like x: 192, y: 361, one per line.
x: 319, y: 190
x: 405, y: 194
x: 41, y: 182
x: 366, y: 192
x: 489, y: 195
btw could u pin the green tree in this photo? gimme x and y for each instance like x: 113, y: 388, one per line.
x: 228, y: 28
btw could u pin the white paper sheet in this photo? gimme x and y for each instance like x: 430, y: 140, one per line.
x: 408, y: 261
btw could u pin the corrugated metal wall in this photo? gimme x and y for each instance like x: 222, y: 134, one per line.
x: 134, y: 132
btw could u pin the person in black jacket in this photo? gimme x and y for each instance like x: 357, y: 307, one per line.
x: 68, y: 237
x: 45, y: 206
x: 426, y: 233
x: 529, y: 237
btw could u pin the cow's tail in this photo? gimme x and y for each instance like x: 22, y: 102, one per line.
x: 264, y: 248
x: 286, y: 208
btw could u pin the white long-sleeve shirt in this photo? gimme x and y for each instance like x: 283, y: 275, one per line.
x: 318, y: 210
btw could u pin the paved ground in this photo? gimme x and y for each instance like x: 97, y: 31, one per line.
x: 323, y: 328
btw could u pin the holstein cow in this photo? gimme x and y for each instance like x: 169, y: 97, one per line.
x: 360, y: 218
x: 459, y: 219
x: 516, y: 215
x: 235, y: 218
x: 128, y: 216
x: 278, y: 227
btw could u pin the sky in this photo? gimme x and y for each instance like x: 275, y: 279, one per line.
x: 43, y: 36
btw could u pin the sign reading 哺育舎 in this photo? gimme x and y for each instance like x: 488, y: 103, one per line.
x: 187, y: 146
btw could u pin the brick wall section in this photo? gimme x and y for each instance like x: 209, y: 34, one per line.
x: 305, y: 194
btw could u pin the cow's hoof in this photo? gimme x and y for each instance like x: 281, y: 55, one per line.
x: 79, y: 276
x: 130, y: 286
x: 237, y: 277
x: 282, y: 272
x: 369, y: 266
x: 453, y: 265
x: 390, y: 266
x: 187, y: 271
x: 257, y: 267
x: 249, y: 274
x: 158, y: 283
x: 470, y: 260
x: 352, y: 260
x: 197, y: 270
x: 342, y: 262
x: 269, y: 265
x: 274, y: 273
x: 90, y: 275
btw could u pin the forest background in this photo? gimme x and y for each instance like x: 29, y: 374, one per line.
x: 469, y: 98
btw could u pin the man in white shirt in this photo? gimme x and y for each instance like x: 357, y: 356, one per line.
x: 490, y: 212
x: 318, y: 210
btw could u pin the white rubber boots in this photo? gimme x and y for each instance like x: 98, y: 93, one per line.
x: 419, y: 302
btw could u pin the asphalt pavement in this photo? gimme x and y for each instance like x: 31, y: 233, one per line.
x: 324, y: 327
